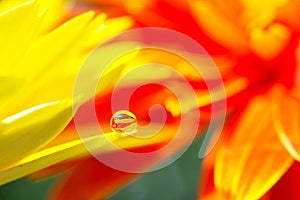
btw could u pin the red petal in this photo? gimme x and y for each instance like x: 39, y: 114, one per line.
x: 90, y: 180
x: 288, y: 186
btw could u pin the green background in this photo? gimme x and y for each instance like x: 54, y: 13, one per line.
x: 178, y: 181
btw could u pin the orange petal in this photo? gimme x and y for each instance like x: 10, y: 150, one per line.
x: 289, y: 13
x: 207, y: 189
x: 218, y: 27
x: 269, y: 43
x: 286, y: 115
x: 254, y: 158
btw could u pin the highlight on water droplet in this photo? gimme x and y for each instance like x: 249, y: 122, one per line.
x: 123, y: 121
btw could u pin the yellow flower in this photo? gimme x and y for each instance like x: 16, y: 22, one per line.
x: 40, y: 55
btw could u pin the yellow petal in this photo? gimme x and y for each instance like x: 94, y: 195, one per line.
x: 54, y: 46
x: 58, y: 152
x: 232, y: 87
x: 40, y: 69
x: 108, y: 28
x: 48, y: 157
x: 254, y: 158
x: 58, y: 64
x: 21, y: 20
x: 28, y: 123
x: 28, y: 130
x: 56, y: 12
x: 9, y: 86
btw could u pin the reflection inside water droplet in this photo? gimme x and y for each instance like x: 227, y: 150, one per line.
x: 123, y: 121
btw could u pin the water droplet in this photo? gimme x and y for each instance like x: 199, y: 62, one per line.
x: 123, y: 121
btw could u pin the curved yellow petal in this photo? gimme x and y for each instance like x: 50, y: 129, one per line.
x: 54, y: 46
x: 107, y: 29
x: 56, y: 67
x: 50, y: 156
x: 58, y: 152
x: 38, y: 67
x: 232, y: 87
x: 14, y: 46
x: 28, y: 130
x: 56, y: 11
x: 38, y: 76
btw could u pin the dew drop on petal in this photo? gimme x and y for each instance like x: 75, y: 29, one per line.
x: 123, y: 121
